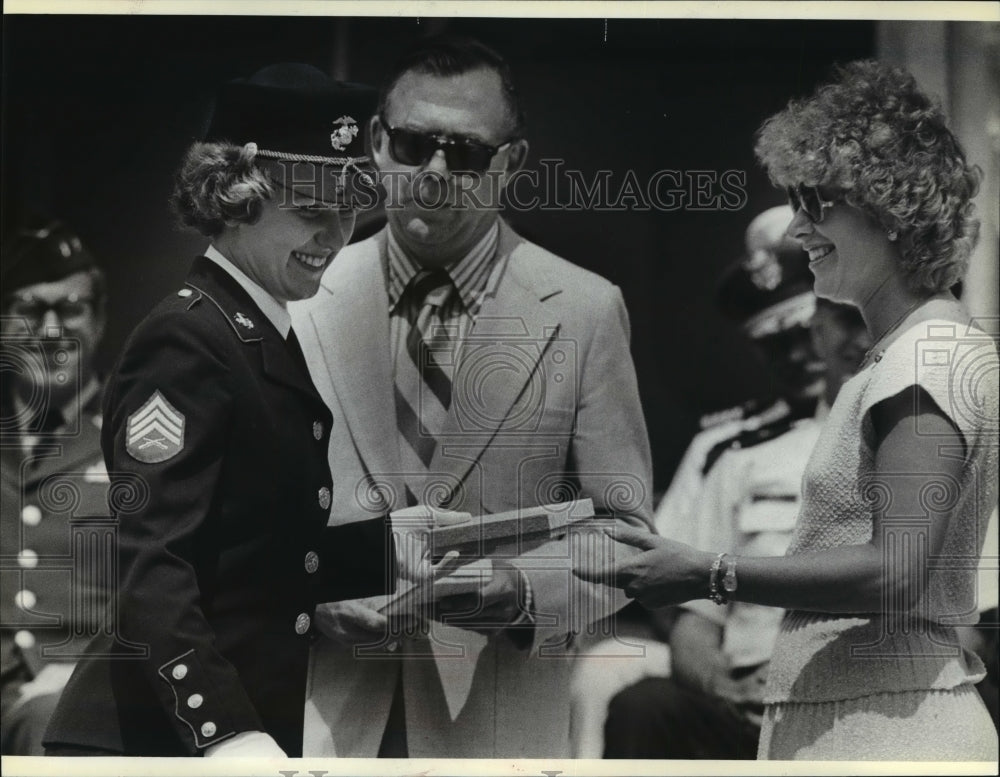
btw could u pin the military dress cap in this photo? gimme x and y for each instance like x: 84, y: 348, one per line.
x: 43, y: 254
x: 770, y: 289
x: 307, y: 130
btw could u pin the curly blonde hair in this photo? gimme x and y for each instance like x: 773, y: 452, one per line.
x: 218, y: 186
x: 872, y: 135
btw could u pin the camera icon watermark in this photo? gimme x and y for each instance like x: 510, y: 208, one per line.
x: 964, y: 359
x: 505, y: 380
x: 38, y: 366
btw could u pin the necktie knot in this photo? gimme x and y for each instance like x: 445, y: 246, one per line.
x: 431, y: 287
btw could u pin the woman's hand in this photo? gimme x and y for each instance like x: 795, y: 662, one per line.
x: 661, y: 573
x: 351, y: 623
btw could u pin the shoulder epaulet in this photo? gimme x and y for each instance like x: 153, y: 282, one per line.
x: 774, y: 424
x: 197, y: 294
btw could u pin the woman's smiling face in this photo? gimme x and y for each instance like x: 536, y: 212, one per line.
x: 847, y: 252
x: 288, y: 248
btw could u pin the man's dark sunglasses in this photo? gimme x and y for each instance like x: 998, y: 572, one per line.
x: 463, y: 155
x: 810, y: 201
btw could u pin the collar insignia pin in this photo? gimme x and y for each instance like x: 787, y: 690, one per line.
x: 243, y: 321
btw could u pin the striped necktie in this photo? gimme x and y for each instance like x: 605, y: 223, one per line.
x: 424, y: 372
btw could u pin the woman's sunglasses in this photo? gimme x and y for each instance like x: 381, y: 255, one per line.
x: 809, y: 201
x: 463, y: 155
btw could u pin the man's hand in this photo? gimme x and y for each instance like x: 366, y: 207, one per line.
x: 495, y: 605
x: 249, y: 744
x: 351, y: 623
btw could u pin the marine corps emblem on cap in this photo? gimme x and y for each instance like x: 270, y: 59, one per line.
x: 345, y: 130
x: 283, y: 114
x: 155, y: 432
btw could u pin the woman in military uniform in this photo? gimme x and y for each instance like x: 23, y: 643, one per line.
x: 216, y: 441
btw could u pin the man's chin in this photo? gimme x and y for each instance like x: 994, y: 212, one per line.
x: 418, y: 233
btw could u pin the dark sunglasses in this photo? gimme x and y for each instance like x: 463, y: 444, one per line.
x: 809, y: 201
x: 463, y: 155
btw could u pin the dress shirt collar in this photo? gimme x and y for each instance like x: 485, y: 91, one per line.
x: 275, y: 311
x: 470, y: 274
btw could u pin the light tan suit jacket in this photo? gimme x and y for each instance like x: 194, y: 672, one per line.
x: 545, y: 408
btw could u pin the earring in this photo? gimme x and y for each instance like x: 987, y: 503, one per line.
x: 893, y: 236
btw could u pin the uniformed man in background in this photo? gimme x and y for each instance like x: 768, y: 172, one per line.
x: 50, y: 395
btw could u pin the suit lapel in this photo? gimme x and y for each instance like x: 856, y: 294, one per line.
x: 513, y: 329
x: 352, y: 328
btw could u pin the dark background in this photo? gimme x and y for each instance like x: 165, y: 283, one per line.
x: 98, y: 110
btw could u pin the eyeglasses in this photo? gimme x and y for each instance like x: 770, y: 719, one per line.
x: 463, y: 155
x: 71, y: 310
x: 810, y: 201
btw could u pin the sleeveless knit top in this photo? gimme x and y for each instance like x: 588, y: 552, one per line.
x: 827, y: 657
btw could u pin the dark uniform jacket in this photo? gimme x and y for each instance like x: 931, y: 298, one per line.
x: 216, y: 442
x: 53, y: 496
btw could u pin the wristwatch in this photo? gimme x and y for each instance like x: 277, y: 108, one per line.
x: 729, y: 579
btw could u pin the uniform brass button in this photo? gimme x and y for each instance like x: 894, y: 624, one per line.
x: 25, y: 599
x: 302, y: 623
x: 179, y: 671
x: 195, y: 700
x: 318, y: 430
x: 208, y: 729
x: 27, y: 559
x: 31, y: 515
x: 324, y: 498
x: 312, y: 562
x: 24, y: 640
x: 185, y: 293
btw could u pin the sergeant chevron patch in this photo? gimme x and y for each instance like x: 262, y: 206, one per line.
x: 155, y: 432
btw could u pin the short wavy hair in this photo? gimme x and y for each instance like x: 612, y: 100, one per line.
x: 218, y: 186
x: 874, y: 136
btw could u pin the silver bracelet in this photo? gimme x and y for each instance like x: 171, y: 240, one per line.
x: 714, y: 593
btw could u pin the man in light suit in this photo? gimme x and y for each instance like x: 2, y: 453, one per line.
x: 524, y: 393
